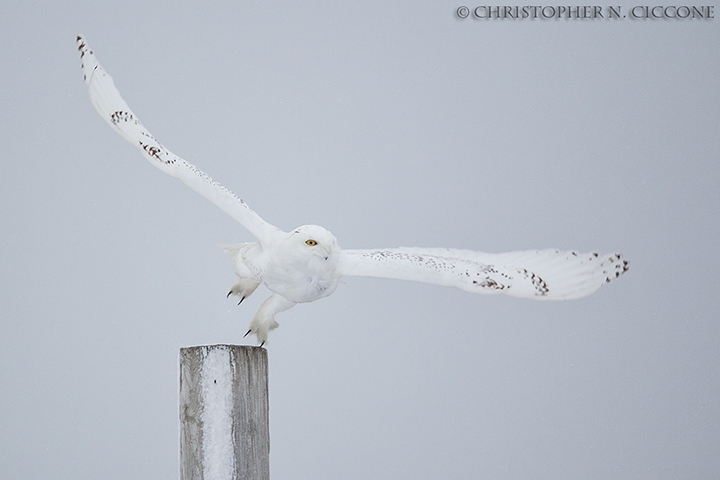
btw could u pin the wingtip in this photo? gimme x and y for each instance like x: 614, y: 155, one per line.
x: 88, y: 61
x: 82, y: 45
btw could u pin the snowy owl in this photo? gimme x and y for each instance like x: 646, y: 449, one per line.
x: 306, y: 264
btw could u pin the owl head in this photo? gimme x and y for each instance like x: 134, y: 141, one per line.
x: 316, y: 242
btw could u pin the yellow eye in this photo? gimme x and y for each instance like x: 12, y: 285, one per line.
x: 310, y: 242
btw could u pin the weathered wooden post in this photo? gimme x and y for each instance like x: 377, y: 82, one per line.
x: 224, y: 428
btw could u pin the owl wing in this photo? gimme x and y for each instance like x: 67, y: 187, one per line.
x: 536, y: 274
x: 112, y: 108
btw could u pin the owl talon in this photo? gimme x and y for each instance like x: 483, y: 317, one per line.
x: 247, y: 333
x: 241, y: 300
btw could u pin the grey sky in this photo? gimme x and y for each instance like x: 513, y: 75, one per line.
x: 389, y: 124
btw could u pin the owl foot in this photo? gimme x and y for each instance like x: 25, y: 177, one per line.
x: 243, y: 289
x: 264, y: 319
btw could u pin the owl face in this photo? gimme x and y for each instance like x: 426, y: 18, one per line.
x: 316, y: 241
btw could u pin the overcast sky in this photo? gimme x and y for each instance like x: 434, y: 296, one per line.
x: 389, y: 123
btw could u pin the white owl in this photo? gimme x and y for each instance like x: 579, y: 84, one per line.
x: 306, y: 264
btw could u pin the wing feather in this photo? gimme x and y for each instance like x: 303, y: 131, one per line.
x: 537, y: 274
x: 112, y: 108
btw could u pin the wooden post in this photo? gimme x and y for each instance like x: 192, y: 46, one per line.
x: 224, y: 428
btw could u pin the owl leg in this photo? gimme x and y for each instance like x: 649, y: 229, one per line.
x: 264, y: 319
x: 244, y: 288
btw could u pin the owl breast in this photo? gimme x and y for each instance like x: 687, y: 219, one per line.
x: 300, y: 285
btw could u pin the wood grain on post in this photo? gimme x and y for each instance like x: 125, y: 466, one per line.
x: 224, y: 427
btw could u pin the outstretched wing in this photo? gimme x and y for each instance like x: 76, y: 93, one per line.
x: 537, y: 274
x: 112, y: 108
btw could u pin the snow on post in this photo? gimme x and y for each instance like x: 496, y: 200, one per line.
x: 224, y: 428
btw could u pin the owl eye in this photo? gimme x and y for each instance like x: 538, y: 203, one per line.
x: 311, y: 242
